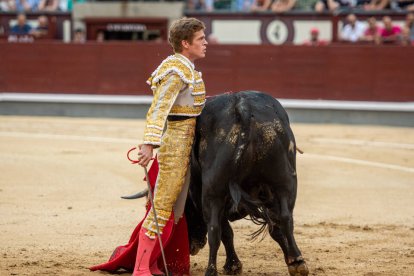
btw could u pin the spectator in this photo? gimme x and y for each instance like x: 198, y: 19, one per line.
x: 206, y: 5
x: 67, y: 5
x: 372, y: 32
x: 402, y: 5
x: 100, y: 36
x: 200, y: 5
x: 405, y: 38
x: 326, y: 5
x: 390, y: 33
x: 306, y: 5
x: 409, y: 24
x: 7, y: 5
x: 26, y: 5
x: 333, y: 5
x: 21, y: 28
x: 314, y: 39
x: 48, y: 5
x: 42, y: 29
x: 283, y: 5
x: 353, y: 31
x: 79, y: 36
x: 376, y: 5
x: 240, y: 5
x: 21, y: 31
x: 260, y: 5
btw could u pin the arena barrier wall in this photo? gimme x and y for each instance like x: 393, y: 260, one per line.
x: 336, y: 72
x: 332, y: 84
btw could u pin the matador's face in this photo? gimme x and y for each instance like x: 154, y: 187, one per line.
x: 197, y: 48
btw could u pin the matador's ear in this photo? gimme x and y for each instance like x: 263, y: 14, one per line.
x: 185, y: 44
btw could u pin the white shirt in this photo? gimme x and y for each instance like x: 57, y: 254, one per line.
x: 353, y: 34
x: 186, y: 60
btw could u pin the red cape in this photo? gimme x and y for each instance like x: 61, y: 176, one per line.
x: 174, y: 239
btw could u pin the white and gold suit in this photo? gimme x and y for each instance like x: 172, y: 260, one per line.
x: 178, y: 91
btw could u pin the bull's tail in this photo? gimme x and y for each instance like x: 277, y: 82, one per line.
x: 242, y: 119
x: 254, y: 207
x: 243, y: 115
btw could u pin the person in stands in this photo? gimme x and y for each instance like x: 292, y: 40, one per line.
x: 314, y: 39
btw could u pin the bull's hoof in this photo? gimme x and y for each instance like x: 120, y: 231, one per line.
x: 298, y: 268
x: 233, y: 267
x: 211, y: 271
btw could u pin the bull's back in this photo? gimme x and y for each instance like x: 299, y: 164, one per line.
x: 248, y: 127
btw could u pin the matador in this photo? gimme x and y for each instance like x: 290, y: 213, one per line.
x: 179, y: 97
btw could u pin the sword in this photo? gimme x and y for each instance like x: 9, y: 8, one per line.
x: 151, y: 198
x: 156, y: 220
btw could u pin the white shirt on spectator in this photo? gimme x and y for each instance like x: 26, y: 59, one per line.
x: 5, y: 5
x: 353, y: 34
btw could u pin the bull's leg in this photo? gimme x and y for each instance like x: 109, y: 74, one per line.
x: 296, y: 264
x: 213, y: 213
x: 278, y: 236
x: 233, y: 266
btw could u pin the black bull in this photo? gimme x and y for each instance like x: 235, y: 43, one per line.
x: 243, y: 164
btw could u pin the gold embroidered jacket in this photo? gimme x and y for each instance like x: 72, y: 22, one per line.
x: 178, y: 90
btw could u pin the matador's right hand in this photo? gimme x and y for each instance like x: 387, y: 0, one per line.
x: 145, y: 154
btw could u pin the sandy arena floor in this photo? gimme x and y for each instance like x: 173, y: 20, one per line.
x: 61, y: 179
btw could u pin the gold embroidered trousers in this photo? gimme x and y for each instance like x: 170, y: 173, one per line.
x: 174, y: 159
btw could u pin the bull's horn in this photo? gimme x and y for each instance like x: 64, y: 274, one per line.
x: 137, y: 195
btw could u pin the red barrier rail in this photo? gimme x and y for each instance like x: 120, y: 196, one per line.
x: 335, y: 72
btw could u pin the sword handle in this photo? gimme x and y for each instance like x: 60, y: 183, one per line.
x: 132, y: 160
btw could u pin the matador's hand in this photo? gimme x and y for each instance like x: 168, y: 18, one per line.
x: 145, y: 154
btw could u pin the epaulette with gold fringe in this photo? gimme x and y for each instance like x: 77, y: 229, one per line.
x: 169, y: 65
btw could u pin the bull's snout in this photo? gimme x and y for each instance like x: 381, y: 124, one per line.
x: 196, y: 246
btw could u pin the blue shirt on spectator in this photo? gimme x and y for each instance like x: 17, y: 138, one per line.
x: 242, y: 5
x: 32, y: 3
x: 20, y: 30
